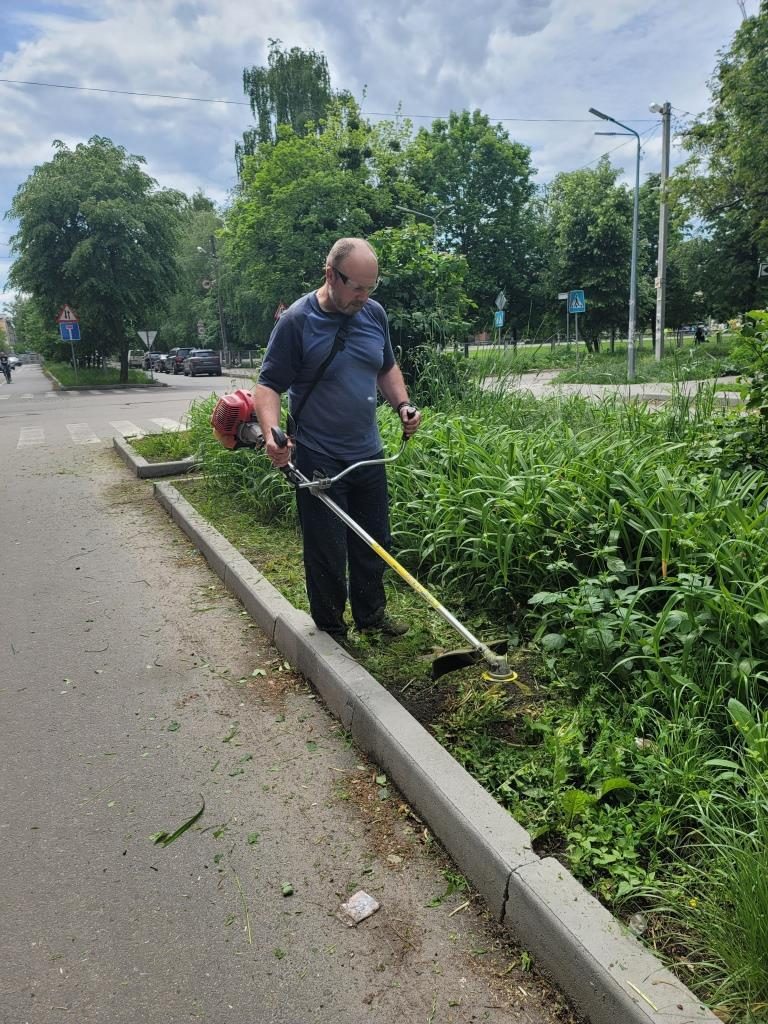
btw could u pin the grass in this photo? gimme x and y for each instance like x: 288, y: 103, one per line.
x: 170, y: 446
x: 623, y: 554
x: 65, y: 374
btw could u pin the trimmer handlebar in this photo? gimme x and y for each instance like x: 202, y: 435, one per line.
x: 323, y: 483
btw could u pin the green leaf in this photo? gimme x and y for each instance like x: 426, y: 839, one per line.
x: 173, y: 727
x: 287, y: 889
x: 253, y: 838
x: 611, y: 785
x: 553, y: 642
x: 574, y: 802
x: 166, y: 838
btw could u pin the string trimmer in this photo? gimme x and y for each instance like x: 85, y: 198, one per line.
x: 235, y: 425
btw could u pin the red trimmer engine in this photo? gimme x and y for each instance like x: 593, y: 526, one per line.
x: 234, y: 421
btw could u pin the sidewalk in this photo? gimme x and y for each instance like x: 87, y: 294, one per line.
x: 542, y: 384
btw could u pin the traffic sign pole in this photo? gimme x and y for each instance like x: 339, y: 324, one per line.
x: 69, y: 330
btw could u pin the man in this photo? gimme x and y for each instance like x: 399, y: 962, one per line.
x: 336, y: 428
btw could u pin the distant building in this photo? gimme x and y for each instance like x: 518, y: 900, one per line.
x: 7, y: 332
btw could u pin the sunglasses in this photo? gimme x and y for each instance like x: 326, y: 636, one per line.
x: 369, y: 289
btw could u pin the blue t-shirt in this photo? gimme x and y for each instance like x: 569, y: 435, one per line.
x: 339, y: 418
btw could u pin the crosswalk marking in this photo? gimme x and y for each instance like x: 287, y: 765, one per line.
x: 81, y: 433
x: 127, y: 429
x: 3, y: 397
x: 94, y: 392
x: 27, y: 395
x: 30, y: 435
x: 51, y: 394
x: 168, y: 425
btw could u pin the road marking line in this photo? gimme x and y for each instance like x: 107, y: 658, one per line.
x: 127, y: 429
x: 28, y: 395
x: 168, y: 425
x: 4, y: 398
x: 51, y: 394
x: 95, y: 392
x: 31, y: 435
x: 81, y: 433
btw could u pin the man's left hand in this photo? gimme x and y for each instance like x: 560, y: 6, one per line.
x: 411, y: 419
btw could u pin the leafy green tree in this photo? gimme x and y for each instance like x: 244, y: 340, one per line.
x: 479, y: 188
x: 724, y: 182
x: 193, y: 299
x: 34, y: 332
x: 297, y: 197
x: 95, y: 232
x: 293, y: 89
x: 422, y: 289
x: 589, y: 238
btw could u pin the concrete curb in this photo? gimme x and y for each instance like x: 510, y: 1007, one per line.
x: 608, y: 974
x: 100, y: 387
x: 150, y: 470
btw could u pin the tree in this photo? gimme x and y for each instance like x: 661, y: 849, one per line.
x: 423, y: 290
x: 589, y: 233
x: 194, y: 298
x: 293, y: 89
x: 297, y: 197
x: 479, y: 188
x: 724, y: 182
x: 34, y: 332
x: 95, y: 232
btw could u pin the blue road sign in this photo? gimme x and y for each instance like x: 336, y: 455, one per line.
x: 69, y: 330
x: 576, y: 303
x: 498, y: 318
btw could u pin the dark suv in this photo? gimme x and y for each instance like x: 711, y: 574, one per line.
x: 202, y: 360
x: 175, y: 361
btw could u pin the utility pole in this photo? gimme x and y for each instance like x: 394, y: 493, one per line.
x: 222, y: 325
x: 633, y: 265
x: 665, y: 109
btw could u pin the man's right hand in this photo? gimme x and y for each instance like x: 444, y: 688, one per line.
x: 278, y: 456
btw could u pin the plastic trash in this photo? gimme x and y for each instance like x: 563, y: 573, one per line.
x: 357, y: 908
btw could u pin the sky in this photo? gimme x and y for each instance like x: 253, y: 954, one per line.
x: 535, y: 66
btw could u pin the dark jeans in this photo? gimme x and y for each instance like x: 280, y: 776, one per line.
x: 332, y: 550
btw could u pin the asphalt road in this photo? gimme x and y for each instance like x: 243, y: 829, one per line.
x: 132, y: 688
x: 33, y: 414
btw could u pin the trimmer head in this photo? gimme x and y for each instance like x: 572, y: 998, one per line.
x: 453, y: 660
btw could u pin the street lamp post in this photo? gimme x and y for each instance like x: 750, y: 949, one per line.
x: 419, y: 213
x: 665, y: 109
x: 222, y: 325
x: 633, y: 268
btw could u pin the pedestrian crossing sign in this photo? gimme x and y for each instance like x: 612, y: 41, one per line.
x: 576, y: 302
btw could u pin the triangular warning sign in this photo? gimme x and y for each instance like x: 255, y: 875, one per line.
x: 67, y: 315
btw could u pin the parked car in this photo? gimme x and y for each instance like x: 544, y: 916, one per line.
x: 202, y: 360
x: 175, y: 360
x: 136, y: 358
x: 152, y: 360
